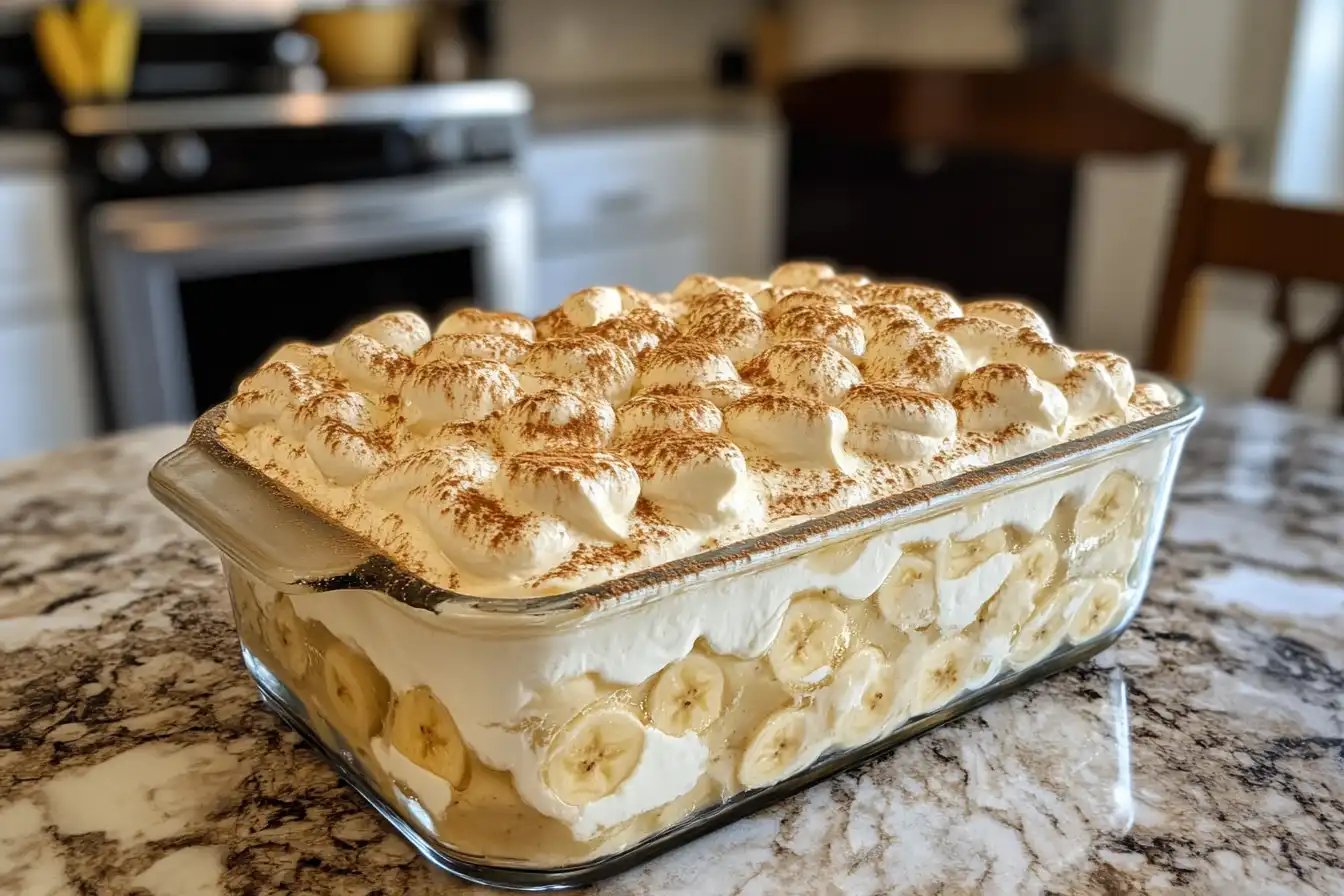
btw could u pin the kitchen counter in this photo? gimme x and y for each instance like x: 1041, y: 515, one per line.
x: 561, y: 110
x: 1203, y: 754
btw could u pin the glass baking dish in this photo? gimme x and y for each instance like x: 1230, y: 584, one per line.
x: 553, y: 741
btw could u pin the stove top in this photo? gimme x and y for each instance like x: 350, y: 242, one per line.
x: 155, y: 148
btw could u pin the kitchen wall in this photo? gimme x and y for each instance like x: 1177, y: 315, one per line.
x: 587, y: 41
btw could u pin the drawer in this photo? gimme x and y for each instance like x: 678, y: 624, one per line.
x: 35, y: 252
x: 603, y: 186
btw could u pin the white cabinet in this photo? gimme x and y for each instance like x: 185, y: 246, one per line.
x: 648, y: 205
x: 45, y: 400
x: 46, y: 391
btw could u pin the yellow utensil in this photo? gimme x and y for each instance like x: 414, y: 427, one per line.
x: 90, y: 53
x: 91, y: 17
x: 114, y: 63
x: 62, y: 54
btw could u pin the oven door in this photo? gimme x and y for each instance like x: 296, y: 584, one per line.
x: 192, y: 292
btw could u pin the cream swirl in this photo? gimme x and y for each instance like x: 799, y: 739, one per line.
x: 593, y: 491
x: 266, y: 394
x: 1099, y: 383
x: 354, y: 409
x: 456, y: 465
x: 474, y: 320
x: 626, y: 334
x: 683, y: 364
x: 344, y: 454
x: 370, y: 365
x: 666, y: 413
x: 448, y: 391
x: 1013, y: 314
x: 589, y: 307
x: 879, y: 319
x: 723, y: 392
x: 979, y: 337
x: 481, y: 346
x: 654, y: 320
x: 932, y: 304
x: 729, y: 320
x: 556, y: 418
x: 693, y: 286
x: 696, y: 479
x: 803, y: 367
x: 998, y: 396
x: 792, y: 299
x: 927, y: 361
x: 586, y: 363
x: 789, y: 429
x: 793, y: 274
x: 903, y: 426
x: 486, y: 540
x: 405, y: 331
x: 824, y: 323
x: 1047, y: 360
x: 315, y: 360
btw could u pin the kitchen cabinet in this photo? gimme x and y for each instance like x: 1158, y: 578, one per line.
x: 646, y: 205
x: 46, y: 395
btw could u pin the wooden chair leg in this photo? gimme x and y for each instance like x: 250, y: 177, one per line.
x: 1180, y: 315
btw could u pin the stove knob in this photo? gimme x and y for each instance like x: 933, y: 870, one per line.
x: 123, y: 159
x: 491, y: 140
x: 185, y: 156
x: 444, y: 143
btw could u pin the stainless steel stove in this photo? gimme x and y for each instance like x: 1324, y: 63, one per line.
x: 217, y: 227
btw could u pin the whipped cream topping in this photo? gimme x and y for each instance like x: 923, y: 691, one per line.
x: 504, y: 456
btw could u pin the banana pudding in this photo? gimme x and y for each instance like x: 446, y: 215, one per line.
x: 671, y: 548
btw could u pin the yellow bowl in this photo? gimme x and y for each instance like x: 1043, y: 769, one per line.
x: 368, y: 46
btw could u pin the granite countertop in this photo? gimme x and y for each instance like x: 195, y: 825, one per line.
x: 1203, y: 754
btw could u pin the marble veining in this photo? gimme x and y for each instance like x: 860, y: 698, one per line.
x: 1202, y: 754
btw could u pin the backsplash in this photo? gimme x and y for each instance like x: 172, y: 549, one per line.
x: 586, y: 41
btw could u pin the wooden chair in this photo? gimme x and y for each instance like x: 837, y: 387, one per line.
x: 1214, y: 229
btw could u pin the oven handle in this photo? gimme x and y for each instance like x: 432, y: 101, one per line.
x: 199, y: 223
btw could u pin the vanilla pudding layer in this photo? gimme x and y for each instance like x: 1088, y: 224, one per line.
x: 554, y: 743
x: 507, y: 457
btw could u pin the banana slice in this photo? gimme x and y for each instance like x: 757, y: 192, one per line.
x: 992, y: 644
x: 594, y: 756
x: 961, y: 557
x: 356, y: 691
x: 814, y: 635
x: 1106, y: 511
x: 876, y: 701
x: 1041, y: 634
x: 908, y: 597
x: 248, y: 615
x: 286, y: 636
x: 942, y: 673
x: 1099, y: 609
x: 1014, y: 603
x: 422, y: 730
x: 1114, y: 556
x: 688, y: 696
x: 774, y: 750
x: 1036, y: 564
